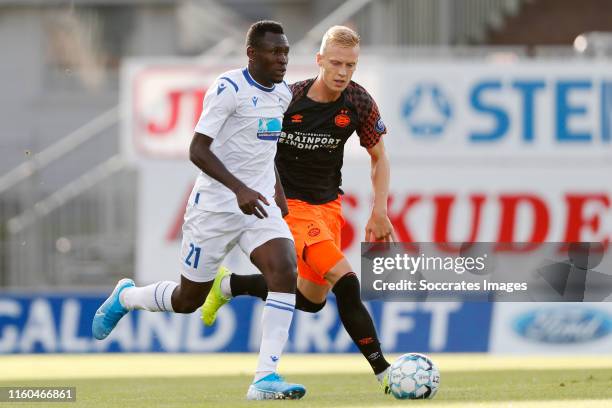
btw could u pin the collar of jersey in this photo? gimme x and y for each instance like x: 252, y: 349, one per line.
x: 251, y: 81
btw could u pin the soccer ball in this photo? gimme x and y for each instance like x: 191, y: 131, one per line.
x: 414, y: 376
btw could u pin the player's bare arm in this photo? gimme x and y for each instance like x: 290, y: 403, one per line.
x: 379, y: 226
x: 248, y: 199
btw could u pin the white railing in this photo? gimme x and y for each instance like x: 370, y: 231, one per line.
x: 60, y: 197
x: 59, y: 149
x: 20, y: 207
x: 81, y: 234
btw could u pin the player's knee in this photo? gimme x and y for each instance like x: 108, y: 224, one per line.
x: 347, y: 289
x: 351, y: 309
x: 305, y: 305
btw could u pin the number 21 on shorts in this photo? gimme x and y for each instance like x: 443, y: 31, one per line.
x: 193, y: 250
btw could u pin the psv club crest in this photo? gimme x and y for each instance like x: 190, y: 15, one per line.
x: 313, y: 231
x: 342, y: 119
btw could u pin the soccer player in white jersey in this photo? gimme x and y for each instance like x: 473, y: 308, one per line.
x: 233, y: 203
x: 331, y: 107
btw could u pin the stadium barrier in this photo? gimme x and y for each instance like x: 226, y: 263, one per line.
x: 61, y: 323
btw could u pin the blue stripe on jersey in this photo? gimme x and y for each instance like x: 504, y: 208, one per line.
x: 197, y: 198
x: 231, y: 82
x: 252, y: 82
x: 280, y: 307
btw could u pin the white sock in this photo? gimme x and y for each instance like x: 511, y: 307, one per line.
x: 381, y: 376
x: 154, y: 298
x: 276, y: 320
x: 226, y: 289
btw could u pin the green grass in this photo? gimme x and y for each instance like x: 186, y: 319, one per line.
x: 548, y: 387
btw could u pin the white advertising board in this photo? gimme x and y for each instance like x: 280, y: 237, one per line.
x: 442, y: 204
x: 541, y: 174
x: 538, y: 110
x: 551, y: 328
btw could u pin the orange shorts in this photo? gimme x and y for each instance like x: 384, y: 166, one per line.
x: 311, y: 224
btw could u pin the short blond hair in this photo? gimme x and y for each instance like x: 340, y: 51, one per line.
x: 341, y: 36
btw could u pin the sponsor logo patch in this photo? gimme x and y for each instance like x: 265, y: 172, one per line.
x: 380, y: 126
x: 269, y: 129
x: 366, y: 340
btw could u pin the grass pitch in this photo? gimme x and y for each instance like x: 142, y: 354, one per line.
x: 221, y: 380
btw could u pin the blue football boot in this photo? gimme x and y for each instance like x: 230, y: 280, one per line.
x: 273, y: 386
x: 108, y: 315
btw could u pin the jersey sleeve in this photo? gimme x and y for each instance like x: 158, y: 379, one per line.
x: 219, y: 104
x: 371, y: 127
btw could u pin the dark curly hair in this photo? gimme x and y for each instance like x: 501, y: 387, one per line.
x: 259, y: 29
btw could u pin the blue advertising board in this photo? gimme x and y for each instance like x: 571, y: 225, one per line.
x: 61, y: 323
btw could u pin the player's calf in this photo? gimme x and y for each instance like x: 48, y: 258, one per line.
x: 280, y: 273
x: 276, y: 260
x: 358, y: 323
x: 255, y: 285
x: 185, y: 305
x: 153, y: 298
x: 231, y: 285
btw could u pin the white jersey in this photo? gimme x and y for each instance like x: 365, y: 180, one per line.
x: 244, y: 119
